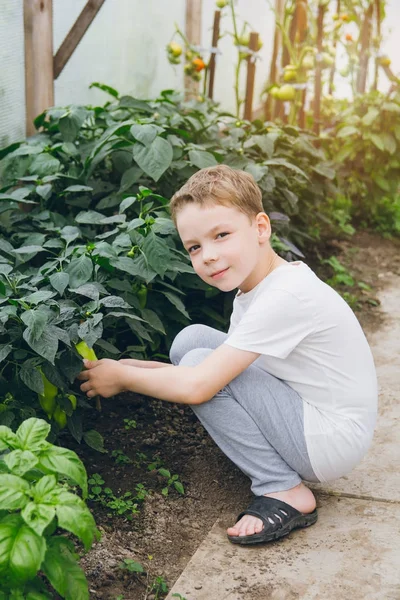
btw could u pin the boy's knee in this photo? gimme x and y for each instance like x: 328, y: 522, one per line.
x: 187, y: 339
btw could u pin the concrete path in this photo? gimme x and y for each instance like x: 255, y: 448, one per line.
x: 353, y: 551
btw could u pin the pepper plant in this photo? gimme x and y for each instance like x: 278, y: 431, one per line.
x: 89, y: 255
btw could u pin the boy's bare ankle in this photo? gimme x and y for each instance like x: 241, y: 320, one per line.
x: 300, y: 497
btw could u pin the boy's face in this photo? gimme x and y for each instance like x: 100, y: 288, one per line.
x: 220, y: 238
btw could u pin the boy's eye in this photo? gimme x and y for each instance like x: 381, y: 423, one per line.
x: 222, y: 233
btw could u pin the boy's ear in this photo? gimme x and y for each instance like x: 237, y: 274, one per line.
x: 263, y: 225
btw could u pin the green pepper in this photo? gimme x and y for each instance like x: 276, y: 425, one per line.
x: 60, y: 417
x: 72, y: 399
x: 86, y: 352
x: 142, y: 295
x: 48, y: 398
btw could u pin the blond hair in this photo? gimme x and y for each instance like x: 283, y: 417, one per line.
x: 219, y: 185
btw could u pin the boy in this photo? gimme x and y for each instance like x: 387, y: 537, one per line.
x: 290, y: 392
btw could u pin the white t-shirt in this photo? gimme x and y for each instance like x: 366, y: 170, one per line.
x: 308, y: 336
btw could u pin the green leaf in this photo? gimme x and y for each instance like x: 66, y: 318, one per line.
x: 36, y: 321
x: 44, y: 164
x: 157, y: 253
x: 77, y: 519
x: 257, y: 171
x: 202, y: 159
x: 29, y: 250
x: 22, y: 551
x: 5, y: 350
x: 164, y: 473
x: 44, y: 486
x: 154, y: 159
x: 104, y: 88
x: 20, y: 461
x: 78, y: 188
x: 44, y: 191
x: 147, y: 133
x: 377, y: 140
x: 46, y: 345
x: 79, y: 270
x: 381, y: 182
x: 90, y: 217
x: 63, y: 572
x: 346, y: 131
x: 14, y: 492
x: 32, y: 434
x: 8, y: 439
x: 61, y: 460
x: 38, y: 297
x: 372, y: 114
x: 114, y: 302
x: 281, y: 162
x: 389, y: 142
x: 95, y: 440
x: 31, y: 377
x: 266, y: 143
x: 179, y: 487
x: 38, y: 516
x: 59, y: 281
x: 177, y: 302
x: 153, y: 319
x: 71, y: 122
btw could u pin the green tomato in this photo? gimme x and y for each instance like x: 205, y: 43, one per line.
x: 86, y: 352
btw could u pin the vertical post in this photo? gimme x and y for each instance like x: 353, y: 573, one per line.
x: 211, y: 67
x: 274, y: 69
x: 365, y: 49
x: 333, y: 69
x: 318, y: 70
x: 378, y: 35
x: 251, y: 72
x: 193, y: 34
x: 39, y: 83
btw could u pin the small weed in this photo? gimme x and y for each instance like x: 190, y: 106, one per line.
x: 120, y: 505
x: 120, y: 457
x: 341, y: 274
x: 178, y: 596
x: 172, y: 480
x: 131, y: 565
x: 130, y: 424
x: 159, y: 587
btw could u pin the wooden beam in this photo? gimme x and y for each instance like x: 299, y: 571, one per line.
x: 214, y: 43
x: 251, y: 72
x: 75, y: 35
x: 193, y: 34
x: 38, y: 34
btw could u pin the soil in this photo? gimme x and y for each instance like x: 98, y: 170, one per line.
x: 167, y: 530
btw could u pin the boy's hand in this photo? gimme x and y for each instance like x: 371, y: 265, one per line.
x: 104, y: 377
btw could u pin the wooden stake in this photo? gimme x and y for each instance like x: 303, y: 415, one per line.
x: 211, y: 66
x: 364, y: 49
x: 251, y: 72
x: 193, y: 34
x: 38, y: 33
x: 333, y: 69
x: 75, y: 35
x: 378, y: 33
x: 273, y: 73
x: 318, y: 70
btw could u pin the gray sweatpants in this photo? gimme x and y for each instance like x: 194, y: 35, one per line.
x: 257, y: 420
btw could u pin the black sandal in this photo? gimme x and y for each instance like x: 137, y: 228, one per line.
x: 278, y: 517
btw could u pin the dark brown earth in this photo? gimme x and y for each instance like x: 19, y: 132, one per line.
x: 167, y: 530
